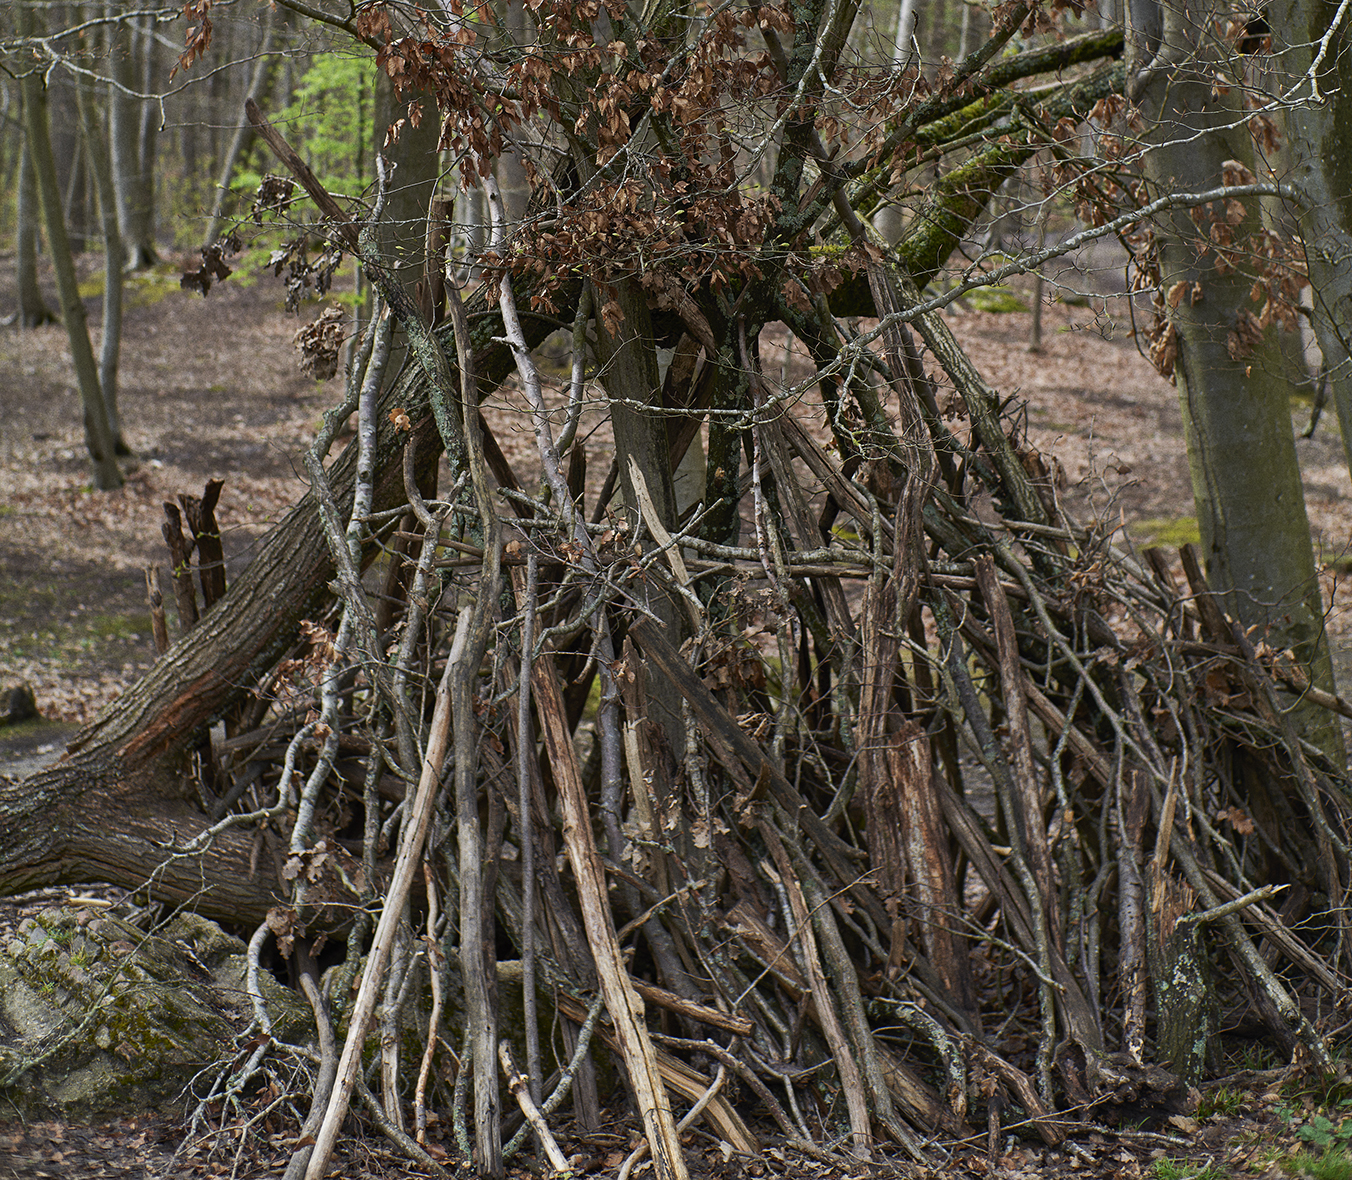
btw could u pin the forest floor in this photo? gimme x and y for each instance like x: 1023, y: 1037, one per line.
x: 211, y: 388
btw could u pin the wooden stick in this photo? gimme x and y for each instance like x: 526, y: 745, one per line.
x: 180, y: 553
x: 155, y: 596
x: 410, y: 854
x: 519, y: 1084
x: 622, y: 1001
x: 850, y: 1080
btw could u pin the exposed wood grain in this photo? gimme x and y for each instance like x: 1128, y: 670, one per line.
x: 622, y: 1001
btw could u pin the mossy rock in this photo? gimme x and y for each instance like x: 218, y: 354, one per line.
x: 110, y: 1021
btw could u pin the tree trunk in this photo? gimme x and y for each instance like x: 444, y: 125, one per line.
x: 1232, y: 390
x: 403, y: 230
x: 146, y: 143
x: 243, y: 130
x: 98, y: 435
x: 32, y: 310
x: 71, y: 170
x: 1319, y: 147
x: 131, y: 179
x: 132, y: 762
x: 96, y: 152
x: 512, y: 182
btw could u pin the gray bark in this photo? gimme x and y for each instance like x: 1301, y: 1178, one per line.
x: 512, y: 182
x: 1319, y: 147
x: 403, y: 232
x: 243, y: 130
x: 96, y: 152
x: 33, y: 309
x: 72, y: 173
x: 98, y: 435
x: 1235, y: 401
x: 131, y: 178
x: 903, y: 39
x: 148, y: 129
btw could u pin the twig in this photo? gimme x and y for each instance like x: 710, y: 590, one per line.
x: 691, y: 1115
x: 414, y: 834
x: 519, y: 1085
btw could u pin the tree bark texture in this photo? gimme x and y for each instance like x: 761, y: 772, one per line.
x: 98, y: 434
x: 110, y: 346
x: 1234, y: 394
x: 1319, y: 147
x: 132, y: 149
x: 32, y: 310
x: 132, y: 762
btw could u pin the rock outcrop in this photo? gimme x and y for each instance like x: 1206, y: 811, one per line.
x: 98, y: 1018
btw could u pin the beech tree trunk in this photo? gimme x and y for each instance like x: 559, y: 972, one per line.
x: 1232, y: 386
x: 243, y: 130
x: 132, y: 150
x: 110, y: 346
x: 98, y: 434
x: 32, y: 310
x: 1319, y: 144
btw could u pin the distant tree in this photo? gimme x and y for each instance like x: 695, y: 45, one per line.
x: 97, y: 152
x: 32, y: 309
x: 132, y: 124
x: 100, y: 440
x: 262, y: 68
x: 1313, y: 50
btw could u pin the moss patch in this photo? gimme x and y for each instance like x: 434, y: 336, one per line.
x: 120, y: 626
x: 1173, y: 532
x: 1000, y: 300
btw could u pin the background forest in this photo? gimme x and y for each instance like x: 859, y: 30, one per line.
x: 764, y: 593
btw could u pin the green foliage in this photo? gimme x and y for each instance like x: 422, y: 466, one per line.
x: 1334, y: 1165
x: 329, y: 122
x: 1168, y: 1168
x: 1322, y: 1133
x: 1223, y: 1101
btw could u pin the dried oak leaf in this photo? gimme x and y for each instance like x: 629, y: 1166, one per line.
x: 612, y: 315
x: 1163, y: 350
x: 1237, y: 820
x: 1244, y: 337
x: 320, y: 342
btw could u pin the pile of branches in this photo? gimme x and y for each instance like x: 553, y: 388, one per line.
x: 928, y: 812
